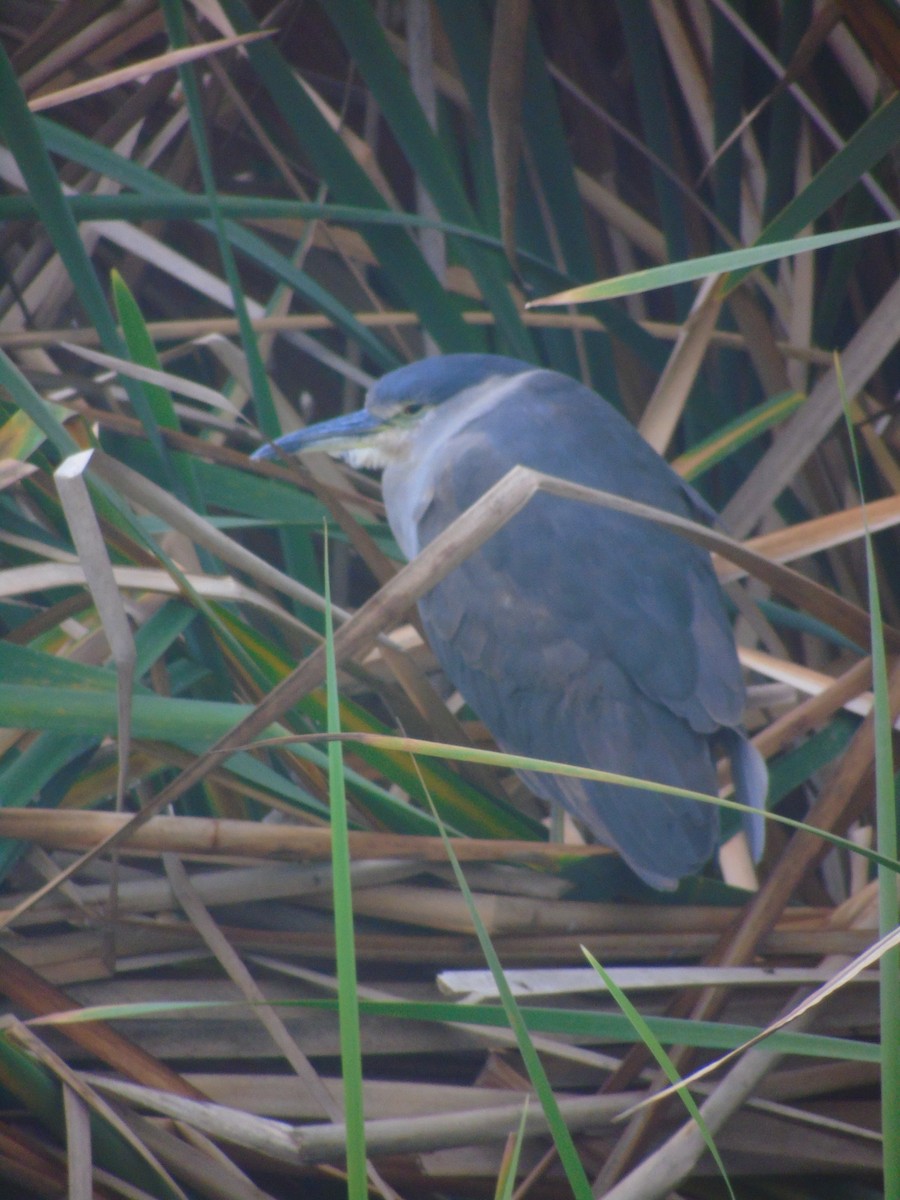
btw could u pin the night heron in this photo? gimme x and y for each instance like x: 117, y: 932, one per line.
x: 576, y: 633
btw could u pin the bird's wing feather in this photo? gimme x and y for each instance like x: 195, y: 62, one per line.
x: 585, y: 635
x: 613, y: 728
x: 565, y: 572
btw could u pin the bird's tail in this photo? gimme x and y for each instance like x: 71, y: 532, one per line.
x: 751, y: 786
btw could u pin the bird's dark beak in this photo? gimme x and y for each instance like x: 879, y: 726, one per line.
x: 343, y: 433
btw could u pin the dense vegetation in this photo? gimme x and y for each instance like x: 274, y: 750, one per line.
x: 311, y: 195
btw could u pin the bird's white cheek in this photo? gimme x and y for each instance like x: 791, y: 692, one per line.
x: 365, y: 458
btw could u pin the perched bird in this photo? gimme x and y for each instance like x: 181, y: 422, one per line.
x: 576, y: 633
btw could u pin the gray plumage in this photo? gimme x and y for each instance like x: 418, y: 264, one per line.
x: 576, y: 633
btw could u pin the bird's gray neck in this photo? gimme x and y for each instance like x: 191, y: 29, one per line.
x: 408, y: 480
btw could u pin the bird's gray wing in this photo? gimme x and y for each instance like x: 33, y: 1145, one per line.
x: 595, y: 580
x: 586, y: 636
x: 545, y: 694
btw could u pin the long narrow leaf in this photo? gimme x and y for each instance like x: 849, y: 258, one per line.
x: 348, y: 997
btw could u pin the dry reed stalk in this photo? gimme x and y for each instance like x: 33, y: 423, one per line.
x: 64, y: 829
